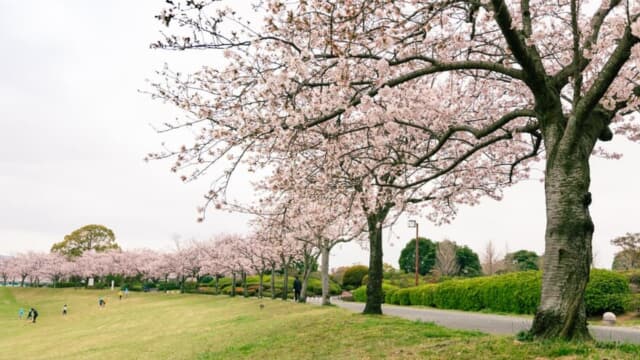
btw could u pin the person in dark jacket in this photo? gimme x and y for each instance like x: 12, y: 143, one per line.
x: 34, y: 314
x: 297, y: 286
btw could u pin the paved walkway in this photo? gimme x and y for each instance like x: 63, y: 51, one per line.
x: 487, y: 323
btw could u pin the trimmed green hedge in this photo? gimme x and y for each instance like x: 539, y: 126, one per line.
x: 607, y: 291
x: 512, y: 293
x: 360, y: 294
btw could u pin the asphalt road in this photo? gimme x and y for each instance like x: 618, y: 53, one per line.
x: 488, y: 323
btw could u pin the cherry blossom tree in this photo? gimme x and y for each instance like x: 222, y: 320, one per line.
x: 377, y: 174
x: 211, y: 261
x: 230, y: 259
x: 455, y: 96
x: 4, y: 270
x: 142, y: 263
x: 25, y: 265
x: 257, y: 251
x: 320, y: 223
x: 54, y: 267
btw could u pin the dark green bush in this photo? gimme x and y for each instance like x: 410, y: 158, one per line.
x: 607, y: 291
x: 65, y: 284
x: 314, y: 287
x: 517, y: 292
x: 353, y: 276
x: 164, y: 286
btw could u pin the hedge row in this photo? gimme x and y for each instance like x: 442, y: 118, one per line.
x: 512, y: 293
x: 360, y: 294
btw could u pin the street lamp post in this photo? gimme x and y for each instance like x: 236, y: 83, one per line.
x: 413, y: 223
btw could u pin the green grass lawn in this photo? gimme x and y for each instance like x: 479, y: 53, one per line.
x: 161, y: 326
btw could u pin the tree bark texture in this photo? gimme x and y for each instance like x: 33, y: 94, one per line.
x: 374, y: 286
x: 285, y: 285
x: 245, y: 287
x: 233, y: 284
x: 324, y: 273
x: 568, y: 235
x: 305, y: 277
x: 273, y: 282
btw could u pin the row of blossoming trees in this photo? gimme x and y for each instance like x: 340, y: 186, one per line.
x: 227, y: 255
x: 369, y: 108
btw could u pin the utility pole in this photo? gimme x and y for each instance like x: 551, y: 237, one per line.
x: 413, y: 223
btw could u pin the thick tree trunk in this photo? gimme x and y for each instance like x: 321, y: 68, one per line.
x: 273, y: 282
x: 374, y: 286
x: 261, y: 284
x: 233, y: 284
x: 324, y: 271
x: 569, y: 230
x: 216, y: 284
x: 285, y: 285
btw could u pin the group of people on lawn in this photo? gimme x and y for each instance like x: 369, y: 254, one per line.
x: 33, y: 313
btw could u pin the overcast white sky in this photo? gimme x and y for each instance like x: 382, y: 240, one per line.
x: 74, y: 130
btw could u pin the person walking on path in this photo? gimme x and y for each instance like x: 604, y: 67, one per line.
x: 21, y: 313
x: 297, y: 286
x: 64, y: 310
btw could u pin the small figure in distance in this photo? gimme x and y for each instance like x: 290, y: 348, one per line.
x: 297, y: 286
x: 101, y: 302
x: 120, y: 294
x: 30, y: 314
x: 21, y: 313
x: 34, y: 314
x: 64, y: 310
x: 126, y: 292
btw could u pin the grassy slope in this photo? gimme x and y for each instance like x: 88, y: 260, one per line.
x: 159, y: 326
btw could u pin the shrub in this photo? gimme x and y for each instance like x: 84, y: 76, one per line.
x: 402, y: 296
x: 606, y: 291
x: 512, y: 293
x: 353, y: 276
x: 633, y: 276
x: 65, y: 284
x: 163, y: 286
x: 314, y: 285
x: 389, y: 295
x: 633, y: 305
x: 360, y: 294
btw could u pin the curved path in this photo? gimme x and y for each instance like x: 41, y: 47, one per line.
x: 488, y: 323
